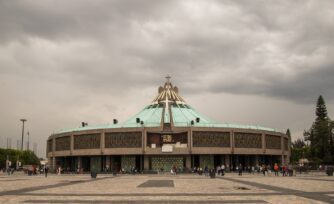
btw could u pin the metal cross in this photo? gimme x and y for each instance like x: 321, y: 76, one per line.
x: 168, y: 79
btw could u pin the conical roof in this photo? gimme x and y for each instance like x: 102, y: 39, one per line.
x: 168, y: 107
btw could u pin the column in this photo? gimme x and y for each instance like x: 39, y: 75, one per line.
x: 53, y: 162
x: 79, y: 164
x: 232, y: 141
x: 102, y: 142
x: 71, y: 144
x: 146, y: 162
x: 263, y: 143
x: 188, y: 162
x: 53, y: 154
x: 282, y: 149
x: 190, y: 140
x: 282, y: 159
x: 144, y: 139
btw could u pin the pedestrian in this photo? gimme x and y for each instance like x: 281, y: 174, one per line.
x: 223, y: 169
x: 264, y: 170
x: 206, y: 171
x: 284, y: 170
x: 276, y: 169
x: 46, y: 170
x: 240, y: 170
x: 218, y: 170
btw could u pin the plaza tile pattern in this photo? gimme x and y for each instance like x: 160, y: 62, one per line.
x: 310, y: 188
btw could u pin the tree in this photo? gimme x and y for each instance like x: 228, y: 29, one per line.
x: 299, y: 150
x: 288, y: 133
x: 319, y: 134
x: 25, y: 157
x: 299, y: 143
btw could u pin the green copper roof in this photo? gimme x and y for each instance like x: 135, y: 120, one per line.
x: 169, y: 107
x: 150, y: 116
x: 90, y: 127
x: 184, y: 114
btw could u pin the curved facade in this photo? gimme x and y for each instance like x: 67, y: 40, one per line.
x: 166, y: 133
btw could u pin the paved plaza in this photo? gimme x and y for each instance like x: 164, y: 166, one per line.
x: 189, y: 188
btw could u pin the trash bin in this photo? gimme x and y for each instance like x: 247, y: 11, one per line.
x: 329, y: 171
x: 290, y: 172
x: 93, y: 174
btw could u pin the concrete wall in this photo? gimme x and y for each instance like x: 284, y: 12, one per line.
x: 189, y: 150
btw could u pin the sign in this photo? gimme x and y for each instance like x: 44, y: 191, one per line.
x: 167, y: 148
x: 167, y: 138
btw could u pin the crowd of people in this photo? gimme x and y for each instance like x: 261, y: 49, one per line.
x: 266, y: 170
x: 220, y: 170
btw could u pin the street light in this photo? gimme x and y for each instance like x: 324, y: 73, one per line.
x: 23, y: 120
x: 28, y: 141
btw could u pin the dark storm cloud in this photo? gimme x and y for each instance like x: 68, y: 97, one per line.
x: 60, y: 20
x: 232, y: 46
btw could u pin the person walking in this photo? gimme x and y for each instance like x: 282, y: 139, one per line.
x: 223, y: 169
x: 46, y: 170
x: 218, y: 170
x: 284, y: 170
x: 276, y: 169
x: 240, y: 170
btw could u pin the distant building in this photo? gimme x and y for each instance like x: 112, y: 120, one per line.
x: 167, y: 133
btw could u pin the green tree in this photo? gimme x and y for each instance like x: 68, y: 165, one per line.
x: 299, y: 150
x: 288, y: 133
x: 25, y: 157
x: 299, y: 143
x: 319, y: 135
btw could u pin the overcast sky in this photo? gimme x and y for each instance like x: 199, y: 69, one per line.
x: 247, y: 62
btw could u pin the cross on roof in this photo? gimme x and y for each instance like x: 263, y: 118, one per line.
x: 168, y: 78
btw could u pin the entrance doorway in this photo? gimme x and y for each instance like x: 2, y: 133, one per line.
x: 195, y: 161
x: 117, y: 163
x: 217, y: 160
x: 86, y: 163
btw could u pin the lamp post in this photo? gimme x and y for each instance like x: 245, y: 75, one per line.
x: 28, y: 141
x: 23, y: 120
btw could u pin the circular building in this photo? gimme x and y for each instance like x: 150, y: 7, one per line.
x: 167, y: 133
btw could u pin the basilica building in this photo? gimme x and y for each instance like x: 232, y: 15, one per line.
x: 167, y: 133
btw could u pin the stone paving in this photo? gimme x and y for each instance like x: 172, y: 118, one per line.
x: 189, y: 188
